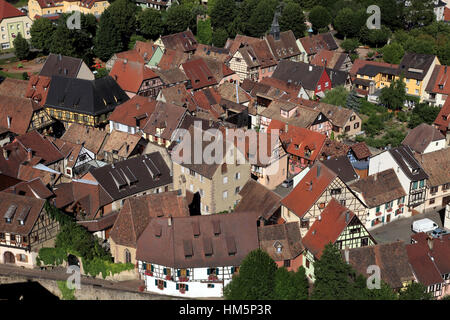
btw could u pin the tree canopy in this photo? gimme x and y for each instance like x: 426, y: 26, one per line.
x: 21, y: 47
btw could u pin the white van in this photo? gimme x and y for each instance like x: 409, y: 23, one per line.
x: 423, y: 225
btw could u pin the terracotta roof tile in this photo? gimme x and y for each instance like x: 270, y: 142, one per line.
x: 7, y: 10
x: 199, y: 74
x: 286, y: 235
x: 130, y: 74
x: 135, y: 111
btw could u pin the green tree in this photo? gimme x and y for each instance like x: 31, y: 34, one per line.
x: 415, y: 291
x: 177, y: 19
x: 350, y: 45
x: 133, y: 39
x: 123, y: 16
x: 150, y: 23
x: 348, y: 22
x: 290, y: 285
x: 423, y: 113
x: 204, y: 31
x: 418, y: 13
x: 292, y: 18
x: 62, y: 41
x: 353, y: 101
x: 393, y: 53
x: 375, y: 37
x: 394, y: 96
x: 319, y: 17
x: 41, y: 31
x: 222, y: 13
x: 336, y: 96
x: 219, y: 37
x: 21, y: 47
x: 256, y: 278
x: 107, y: 40
x: 335, y: 279
x: 261, y: 18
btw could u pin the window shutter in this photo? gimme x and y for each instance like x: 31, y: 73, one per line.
x: 178, y: 286
x: 156, y: 282
x: 152, y: 268
x: 178, y: 273
x: 165, y: 271
x: 165, y: 284
x: 209, y: 271
x: 187, y: 272
x: 217, y: 271
x: 232, y: 270
x: 187, y: 287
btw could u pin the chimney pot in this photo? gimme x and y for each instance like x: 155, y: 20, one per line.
x: 5, y: 154
x: 430, y: 243
x: 169, y: 221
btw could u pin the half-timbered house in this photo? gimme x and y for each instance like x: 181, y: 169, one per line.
x: 312, y: 194
x: 25, y: 227
x: 337, y: 225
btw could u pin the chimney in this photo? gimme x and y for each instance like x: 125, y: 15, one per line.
x: 318, y: 170
x: 319, y: 218
x: 286, y: 127
x: 125, y: 61
x: 430, y: 243
x: 169, y: 221
x: 347, y: 216
x: 310, y: 68
x: 310, y: 185
x: 8, y: 119
x: 375, y: 177
x: 5, y: 154
x: 29, y: 154
x: 137, y: 106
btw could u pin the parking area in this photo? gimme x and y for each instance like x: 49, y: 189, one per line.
x: 401, y: 229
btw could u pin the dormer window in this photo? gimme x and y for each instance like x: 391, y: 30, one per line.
x: 278, y: 247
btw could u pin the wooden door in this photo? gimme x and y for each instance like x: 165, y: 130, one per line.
x: 8, y: 257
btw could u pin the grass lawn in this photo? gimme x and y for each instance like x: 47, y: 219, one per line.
x: 11, y: 75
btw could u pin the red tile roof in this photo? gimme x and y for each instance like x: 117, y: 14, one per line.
x: 20, y: 112
x: 446, y: 14
x: 308, y: 190
x: 129, y: 75
x: 440, y: 80
x: 40, y: 147
x: 443, y: 119
x: 334, y: 219
x: 298, y: 141
x: 358, y: 63
x: 130, y: 55
x: 37, y: 89
x: 361, y: 150
x: 7, y: 10
x: 198, y: 72
x: 172, y: 59
x: 137, y: 109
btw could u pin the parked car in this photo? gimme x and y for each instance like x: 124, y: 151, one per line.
x: 288, y: 183
x: 423, y: 225
x: 438, y: 232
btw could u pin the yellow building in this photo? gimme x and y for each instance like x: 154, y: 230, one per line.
x: 12, y: 22
x: 39, y: 8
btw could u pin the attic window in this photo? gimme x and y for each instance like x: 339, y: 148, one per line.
x: 216, y: 227
x: 10, y: 213
x: 207, y: 247
x: 187, y: 247
x: 196, y: 229
x: 278, y: 247
x: 231, y: 246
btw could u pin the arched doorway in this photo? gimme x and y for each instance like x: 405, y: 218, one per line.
x: 8, y: 257
x: 127, y: 256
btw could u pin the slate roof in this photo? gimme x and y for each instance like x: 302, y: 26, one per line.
x: 419, y: 138
x: 437, y: 166
x: 258, y: 198
x: 28, y: 208
x: 342, y: 166
x: 92, y: 97
x: 137, y: 212
x: 404, y: 157
x: 133, y: 176
x: 393, y: 271
x: 379, y: 188
x: 415, y: 65
x: 298, y: 73
x: 59, y: 65
x: 287, y: 235
x: 228, y: 238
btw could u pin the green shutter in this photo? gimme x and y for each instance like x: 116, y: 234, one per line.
x: 144, y: 266
x: 378, y: 209
x: 232, y: 269
x: 152, y: 268
x: 165, y: 271
x: 187, y: 288
x: 165, y: 284
x: 156, y: 282
x: 178, y: 286
x: 187, y: 273
x: 178, y: 273
x: 208, y: 271
x: 217, y: 271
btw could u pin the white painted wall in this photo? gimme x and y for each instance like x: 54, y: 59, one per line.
x: 435, y: 145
